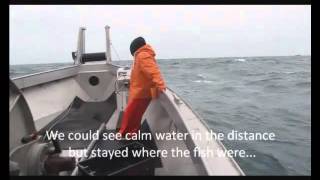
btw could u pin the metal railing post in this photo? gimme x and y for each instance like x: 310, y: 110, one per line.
x: 80, y: 45
x: 108, y: 44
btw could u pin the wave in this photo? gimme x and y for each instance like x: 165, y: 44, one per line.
x: 201, y: 76
x: 303, y: 84
x: 203, y: 81
x: 263, y: 162
x: 175, y: 63
x: 276, y: 87
x: 289, y: 72
x: 255, y: 74
x: 240, y: 60
x: 263, y: 81
x: 279, y: 141
x: 228, y: 88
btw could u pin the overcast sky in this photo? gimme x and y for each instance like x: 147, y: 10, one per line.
x: 48, y: 34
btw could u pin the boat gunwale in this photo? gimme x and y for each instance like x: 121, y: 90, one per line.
x: 56, y: 69
x: 43, y: 72
x: 203, y: 122
x: 21, y: 81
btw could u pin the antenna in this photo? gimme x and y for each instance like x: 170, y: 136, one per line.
x: 108, y: 44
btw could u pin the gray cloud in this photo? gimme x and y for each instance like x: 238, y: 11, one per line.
x: 48, y: 34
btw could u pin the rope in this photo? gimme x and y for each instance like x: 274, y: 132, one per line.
x: 58, y: 119
x: 115, y: 51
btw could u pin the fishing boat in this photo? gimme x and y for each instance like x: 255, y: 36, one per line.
x: 90, y: 96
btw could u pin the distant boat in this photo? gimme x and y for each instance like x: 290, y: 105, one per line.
x: 92, y: 95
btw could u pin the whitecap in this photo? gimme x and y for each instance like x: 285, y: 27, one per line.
x: 289, y: 72
x: 241, y: 60
x: 202, y: 81
x: 201, y: 76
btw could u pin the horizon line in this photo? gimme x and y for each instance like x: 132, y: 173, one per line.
x: 180, y: 58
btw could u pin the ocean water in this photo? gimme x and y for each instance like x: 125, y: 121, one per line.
x: 253, y: 94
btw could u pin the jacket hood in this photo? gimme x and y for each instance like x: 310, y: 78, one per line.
x: 146, y: 48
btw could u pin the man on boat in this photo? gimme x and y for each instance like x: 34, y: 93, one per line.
x: 146, y: 83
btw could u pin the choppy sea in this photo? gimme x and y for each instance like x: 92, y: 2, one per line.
x: 254, y: 94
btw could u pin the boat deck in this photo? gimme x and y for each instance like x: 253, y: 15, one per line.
x: 83, y: 117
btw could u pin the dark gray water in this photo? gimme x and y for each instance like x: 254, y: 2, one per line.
x: 256, y: 94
